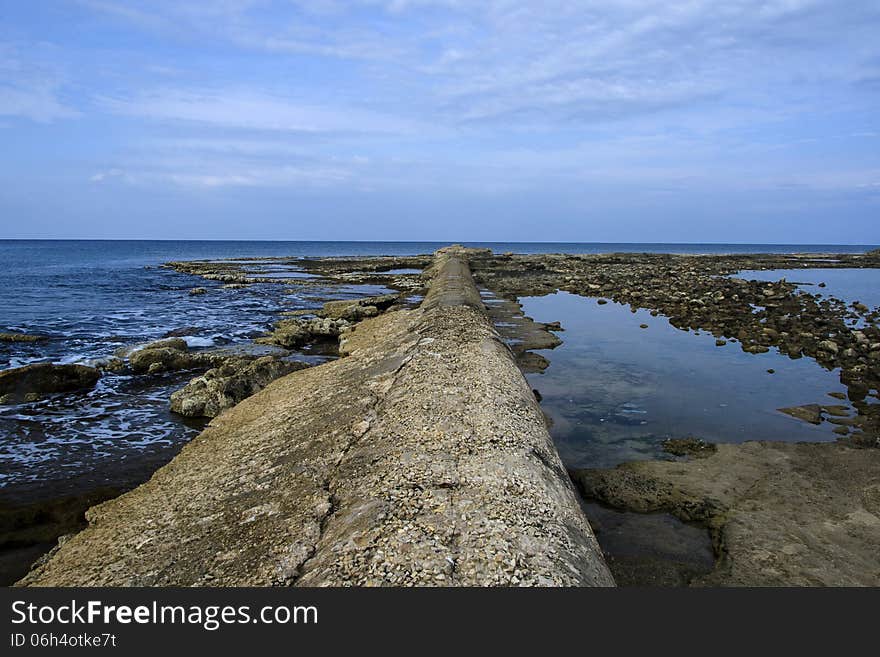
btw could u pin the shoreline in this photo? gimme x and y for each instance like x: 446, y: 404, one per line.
x: 634, y: 279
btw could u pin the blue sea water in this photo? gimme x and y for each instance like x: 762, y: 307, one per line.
x: 92, y: 297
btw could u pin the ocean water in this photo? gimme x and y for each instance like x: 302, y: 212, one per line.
x: 93, y: 297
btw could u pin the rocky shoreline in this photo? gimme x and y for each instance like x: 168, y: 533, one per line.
x: 357, y: 472
x: 694, y: 292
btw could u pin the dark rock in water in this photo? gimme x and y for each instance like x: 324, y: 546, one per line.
x: 180, y: 332
x: 837, y: 410
x: 644, y: 326
x: 21, y: 337
x: 811, y: 413
x: 28, y: 531
x: 30, y: 381
x: 690, y: 446
x: 223, y: 387
x: 602, y: 302
x: 531, y: 363
x: 197, y: 291
x: 720, y: 342
x: 837, y: 395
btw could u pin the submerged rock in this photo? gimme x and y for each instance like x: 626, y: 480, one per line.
x: 223, y: 387
x: 811, y: 413
x: 21, y: 337
x: 693, y: 447
x: 197, y: 291
x: 29, y: 382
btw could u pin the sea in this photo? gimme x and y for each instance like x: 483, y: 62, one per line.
x: 613, y: 390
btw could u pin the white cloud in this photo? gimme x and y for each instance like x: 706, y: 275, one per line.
x: 244, y: 109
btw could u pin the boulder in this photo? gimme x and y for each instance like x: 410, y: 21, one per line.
x: 223, y: 387
x: 197, y: 291
x: 30, y: 381
x: 168, y: 355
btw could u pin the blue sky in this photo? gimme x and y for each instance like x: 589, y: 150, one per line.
x: 737, y: 121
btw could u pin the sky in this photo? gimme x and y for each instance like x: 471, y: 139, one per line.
x: 453, y: 120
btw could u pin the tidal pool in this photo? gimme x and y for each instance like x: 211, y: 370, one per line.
x: 615, y: 391
x: 850, y: 285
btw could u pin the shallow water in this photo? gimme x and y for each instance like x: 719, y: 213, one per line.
x: 850, y: 285
x: 614, y: 390
x: 92, y: 298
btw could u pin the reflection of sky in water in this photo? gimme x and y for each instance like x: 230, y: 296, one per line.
x: 847, y: 284
x: 614, y: 390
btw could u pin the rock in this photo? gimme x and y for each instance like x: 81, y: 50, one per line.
x: 223, y: 387
x: 357, y: 309
x: 180, y: 332
x: 197, y: 291
x: 644, y: 326
x: 828, y: 345
x: 602, y: 302
x: 779, y: 513
x: 811, y: 413
x: 21, y: 337
x: 837, y: 395
x: 836, y: 410
x: 771, y: 371
x: 531, y: 363
x: 720, y: 343
x: 30, y: 381
x: 690, y: 446
x: 293, y: 333
x: 168, y: 355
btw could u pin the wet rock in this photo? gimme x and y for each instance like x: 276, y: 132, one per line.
x: 197, y: 291
x: 780, y: 514
x: 811, y: 413
x: 532, y: 363
x: 181, y: 332
x: 166, y: 356
x: 30, y: 381
x: 21, y: 337
x: 720, y: 343
x: 223, y: 387
x: 690, y: 446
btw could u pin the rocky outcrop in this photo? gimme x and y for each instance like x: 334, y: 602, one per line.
x: 21, y: 337
x: 169, y: 355
x: 225, y: 386
x: 30, y: 382
x: 294, y: 333
x: 421, y: 458
x: 780, y: 514
x: 357, y: 309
